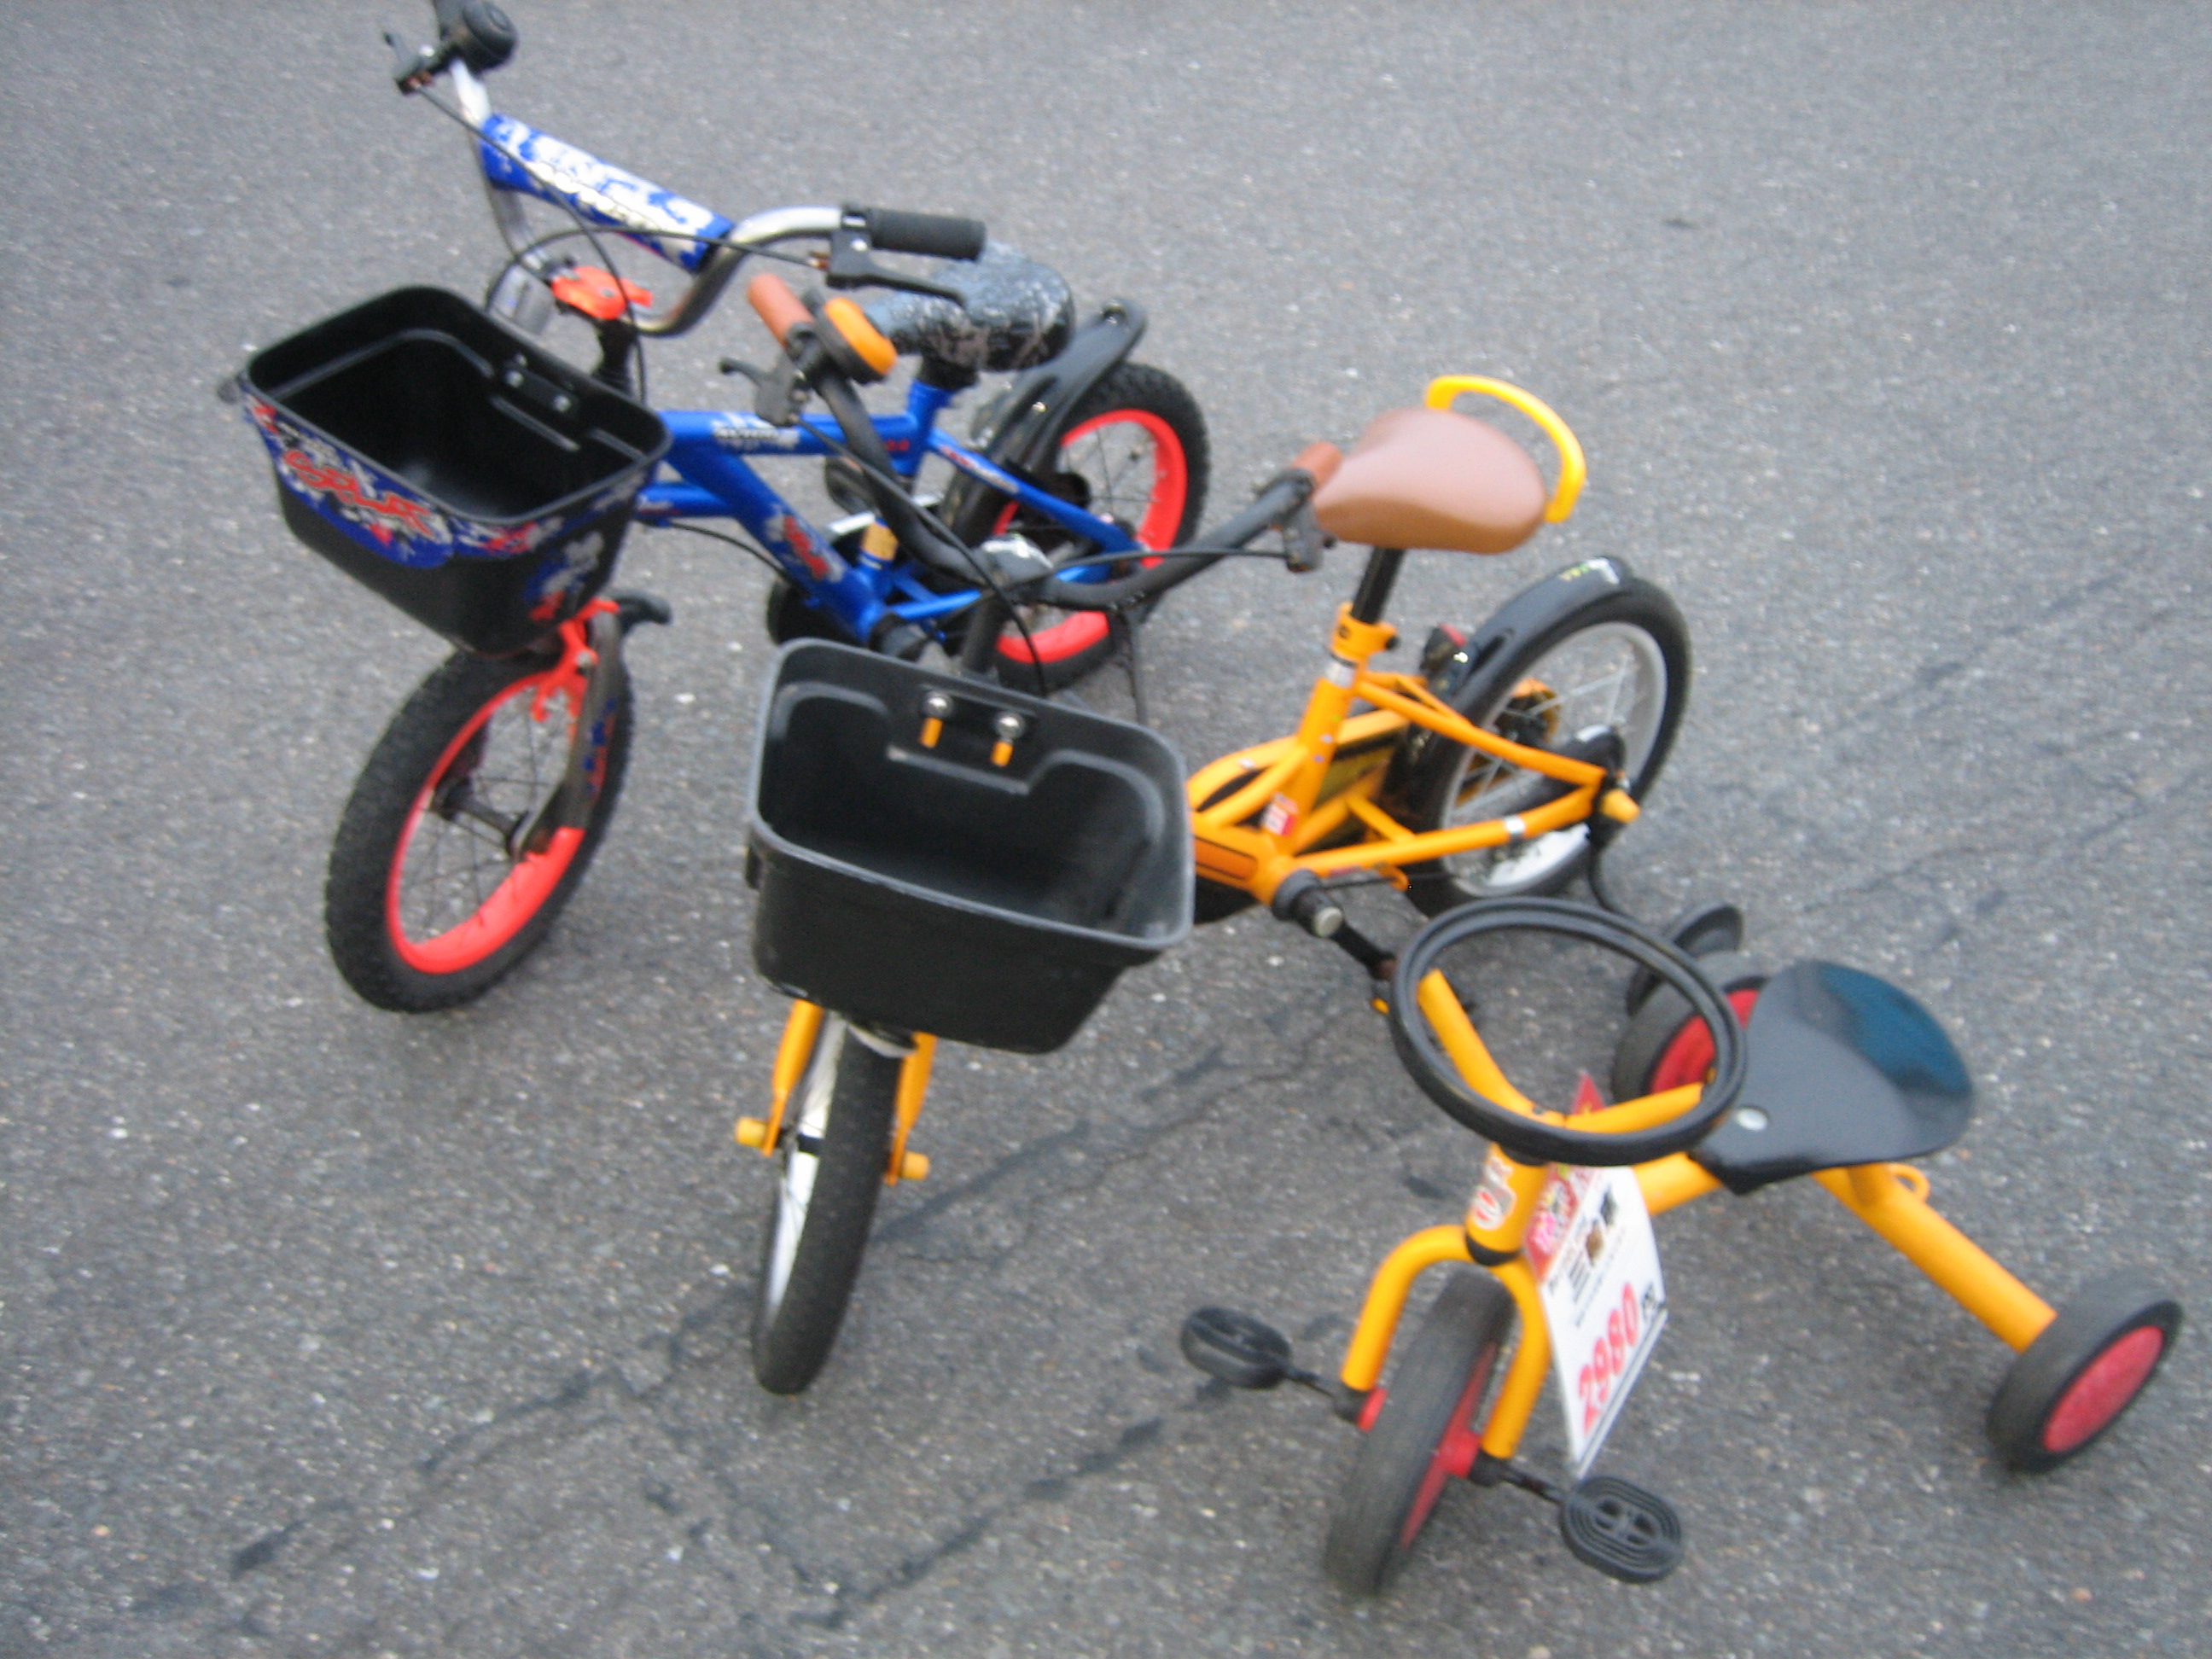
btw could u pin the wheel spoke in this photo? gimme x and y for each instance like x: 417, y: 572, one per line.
x: 459, y: 856
x: 1609, y: 675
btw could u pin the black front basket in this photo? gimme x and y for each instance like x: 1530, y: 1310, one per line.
x: 477, y: 482
x: 928, y: 889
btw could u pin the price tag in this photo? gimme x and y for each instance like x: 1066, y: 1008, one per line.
x: 1597, y: 1271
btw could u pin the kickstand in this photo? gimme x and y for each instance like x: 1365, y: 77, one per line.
x: 1125, y: 634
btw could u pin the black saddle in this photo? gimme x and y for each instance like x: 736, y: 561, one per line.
x: 1012, y: 312
x: 1844, y: 1068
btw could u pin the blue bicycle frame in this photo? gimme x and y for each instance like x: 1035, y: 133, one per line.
x: 709, y: 450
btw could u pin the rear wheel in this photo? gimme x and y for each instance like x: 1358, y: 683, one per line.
x: 2081, y: 1372
x: 1428, y: 1431
x: 1620, y: 663
x: 434, y: 889
x: 836, y: 1147
x: 1135, y: 452
x: 1666, y: 1046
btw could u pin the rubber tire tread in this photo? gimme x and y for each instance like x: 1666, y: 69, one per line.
x: 790, y: 1347
x: 1473, y: 1311
x: 375, y: 816
x: 1662, y: 1014
x: 1127, y: 386
x: 2096, y: 1315
x: 1425, y: 790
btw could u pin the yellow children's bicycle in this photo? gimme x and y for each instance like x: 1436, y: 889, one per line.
x: 940, y: 858
x: 1838, y: 1076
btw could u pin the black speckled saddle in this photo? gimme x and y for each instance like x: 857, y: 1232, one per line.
x: 1013, y: 313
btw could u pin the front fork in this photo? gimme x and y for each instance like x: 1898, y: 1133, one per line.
x: 802, y: 1030
x: 591, y: 674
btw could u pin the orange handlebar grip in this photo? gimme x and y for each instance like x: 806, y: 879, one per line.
x: 849, y: 320
x: 1321, y: 461
x: 778, y: 307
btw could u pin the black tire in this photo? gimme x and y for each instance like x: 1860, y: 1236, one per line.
x: 1703, y: 929
x: 1630, y: 637
x: 1135, y: 451
x: 836, y: 1147
x: 2082, y: 1372
x: 1437, y: 1396
x: 1647, y: 1045
x: 423, y: 905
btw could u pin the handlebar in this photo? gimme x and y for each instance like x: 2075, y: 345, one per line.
x: 778, y: 307
x: 474, y: 37
x: 893, y: 230
x: 1447, y: 1058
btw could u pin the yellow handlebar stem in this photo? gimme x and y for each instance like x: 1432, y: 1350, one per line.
x: 1446, y: 389
x: 1441, y: 1003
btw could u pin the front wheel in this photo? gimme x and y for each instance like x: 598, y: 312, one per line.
x: 1135, y: 452
x: 435, y: 890
x: 837, y: 1146
x: 1428, y: 1431
x: 1620, y: 662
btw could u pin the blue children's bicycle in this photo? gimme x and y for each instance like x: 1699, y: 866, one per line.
x: 441, y: 457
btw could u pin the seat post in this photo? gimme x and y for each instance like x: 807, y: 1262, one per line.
x: 1376, y: 582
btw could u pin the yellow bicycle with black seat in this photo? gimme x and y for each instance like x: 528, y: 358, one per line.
x: 1839, y: 1075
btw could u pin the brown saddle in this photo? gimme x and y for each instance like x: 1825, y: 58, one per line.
x: 1431, y: 479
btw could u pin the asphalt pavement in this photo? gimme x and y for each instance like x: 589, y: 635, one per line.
x: 330, y: 1331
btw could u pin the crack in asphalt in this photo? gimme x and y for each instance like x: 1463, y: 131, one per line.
x: 1131, y: 1443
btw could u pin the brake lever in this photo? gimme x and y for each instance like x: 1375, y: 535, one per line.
x: 783, y: 392
x: 413, y: 67
x: 851, y: 266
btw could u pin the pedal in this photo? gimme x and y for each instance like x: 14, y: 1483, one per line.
x: 1624, y: 1531
x: 1242, y: 1352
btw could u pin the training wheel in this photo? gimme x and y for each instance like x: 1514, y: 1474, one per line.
x: 2075, y: 1379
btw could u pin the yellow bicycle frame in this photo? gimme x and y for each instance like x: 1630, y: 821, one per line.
x: 1310, y: 801
x: 1890, y: 1198
x: 1263, y: 812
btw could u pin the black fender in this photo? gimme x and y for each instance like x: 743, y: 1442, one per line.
x: 1467, y: 678
x: 1026, y: 425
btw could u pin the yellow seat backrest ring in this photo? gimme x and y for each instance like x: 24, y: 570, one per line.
x: 1446, y: 389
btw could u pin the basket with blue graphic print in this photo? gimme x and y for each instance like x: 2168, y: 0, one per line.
x: 474, y: 480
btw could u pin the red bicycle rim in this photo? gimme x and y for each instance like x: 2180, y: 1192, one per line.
x: 1162, y: 518
x: 2103, y: 1389
x: 1689, y: 1057
x: 1454, y: 1456
x: 507, y: 909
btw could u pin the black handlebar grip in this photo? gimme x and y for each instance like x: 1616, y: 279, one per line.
x: 933, y: 234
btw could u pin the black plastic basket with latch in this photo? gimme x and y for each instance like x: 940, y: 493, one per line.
x: 915, y: 874
x: 472, y: 477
